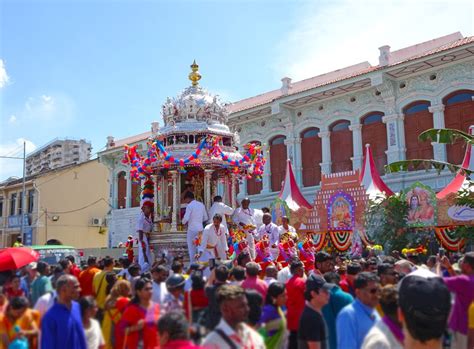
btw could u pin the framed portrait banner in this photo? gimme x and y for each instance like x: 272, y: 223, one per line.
x: 422, y: 205
x: 278, y: 209
x: 341, y: 212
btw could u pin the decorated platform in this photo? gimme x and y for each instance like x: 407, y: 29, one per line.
x: 194, y: 151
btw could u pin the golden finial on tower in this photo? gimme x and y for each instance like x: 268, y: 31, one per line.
x: 194, y: 76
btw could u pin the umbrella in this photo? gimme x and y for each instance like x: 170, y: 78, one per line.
x: 16, y: 257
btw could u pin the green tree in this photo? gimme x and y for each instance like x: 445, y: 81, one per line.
x: 386, y: 221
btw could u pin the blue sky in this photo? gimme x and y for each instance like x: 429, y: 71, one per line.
x: 89, y: 69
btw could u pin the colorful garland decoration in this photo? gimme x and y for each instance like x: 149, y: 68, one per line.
x: 148, y: 192
x: 319, y: 240
x: 180, y: 162
x: 341, y: 240
x: 251, y: 164
x: 447, y: 239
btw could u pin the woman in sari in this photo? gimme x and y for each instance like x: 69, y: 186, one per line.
x: 115, y: 304
x: 273, y: 319
x: 140, y: 318
x: 18, y: 322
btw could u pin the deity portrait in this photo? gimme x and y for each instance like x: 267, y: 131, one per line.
x: 340, y: 212
x: 278, y: 211
x: 421, y: 207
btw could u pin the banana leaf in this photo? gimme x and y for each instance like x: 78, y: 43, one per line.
x: 445, y: 136
x: 423, y: 164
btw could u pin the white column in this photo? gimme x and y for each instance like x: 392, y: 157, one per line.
x: 267, y: 175
x: 298, y: 165
x: 161, y: 195
x: 128, y: 199
x: 401, y: 135
x: 289, y: 149
x: 439, y: 150
x: 175, y: 212
x: 113, y: 189
x: 165, y: 190
x: 357, y: 146
x: 232, y: 191
x: 290, y: 143
x: 226, y: 194
x: 207, y: 188
x: 395, y: 137
x: 326, y: 145
x: 156, y: 199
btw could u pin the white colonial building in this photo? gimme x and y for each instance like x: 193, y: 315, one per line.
x: 322, y: 123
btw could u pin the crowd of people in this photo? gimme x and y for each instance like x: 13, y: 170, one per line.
x: 372, y: 301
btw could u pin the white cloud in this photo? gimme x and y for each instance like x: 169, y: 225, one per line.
x: 4, y: 79
x: 331, y: 35
x: 56, y: 109
x: 14, y: 167
x: 12, y: 119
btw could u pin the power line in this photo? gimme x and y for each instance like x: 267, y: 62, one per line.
x: 14, y: 151
x: 10, y: 157
x: 79, y: 209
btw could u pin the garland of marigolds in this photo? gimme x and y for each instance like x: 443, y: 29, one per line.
x: 448, y: 240
x: 142, y: 167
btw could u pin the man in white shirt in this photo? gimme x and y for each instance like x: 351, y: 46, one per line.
x: 244, y: 216
x: 194, y: 217
x: 271, y: 229
x: 213, y: 241
x: 218, y: 207
x: 285, y: 227
x: 159, y: 274
x: 232, y: 331
x: 144, y: 229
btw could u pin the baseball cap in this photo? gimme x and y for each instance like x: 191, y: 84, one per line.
x: 322, y: 256
x: 424, y: 296
x: 316, y: 283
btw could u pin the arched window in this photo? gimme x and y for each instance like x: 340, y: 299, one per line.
x: 459, y: 115
x: 375, y: 134
x: 136, y: 191
x: 121, y: 190
x: 278, y: 158
x: 253, y: 186
x: 341, y: 146
x: 458, y: 97
x: 417, y: 119
x: 311, y: 156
